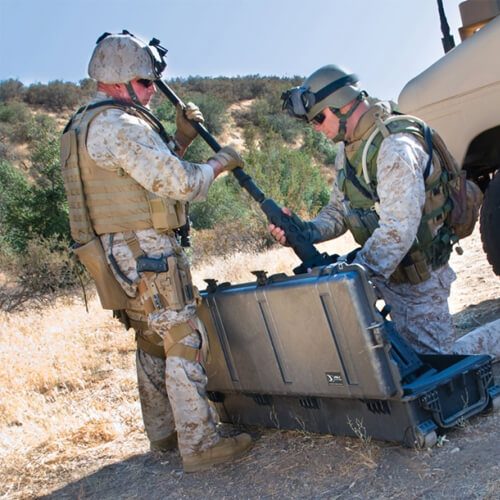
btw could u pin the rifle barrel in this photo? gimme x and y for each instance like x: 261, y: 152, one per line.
x: 305, y: 250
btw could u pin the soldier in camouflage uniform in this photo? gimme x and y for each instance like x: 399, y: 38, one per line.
x: 136, y: 188
x: 388, y: 195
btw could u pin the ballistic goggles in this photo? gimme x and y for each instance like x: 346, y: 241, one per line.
x: 298, y: 101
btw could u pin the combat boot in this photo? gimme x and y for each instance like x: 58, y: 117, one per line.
x: 226, y: 449
x: 165, y: 444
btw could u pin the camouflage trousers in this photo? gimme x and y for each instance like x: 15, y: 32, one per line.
x: 173, y: 397
x: 485, y: 339
x: 420, y: 312
x: 422, y: 316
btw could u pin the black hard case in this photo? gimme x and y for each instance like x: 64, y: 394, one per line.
x: 313, y: 352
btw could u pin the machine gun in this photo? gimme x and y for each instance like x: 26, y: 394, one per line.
x: 303, y: 248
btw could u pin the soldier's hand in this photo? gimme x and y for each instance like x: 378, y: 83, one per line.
x: 186, y: 133
x: 276, y: 232
x: 227, y: 159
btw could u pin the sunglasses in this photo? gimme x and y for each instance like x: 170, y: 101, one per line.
x: 319, y: 118
x: 145, y: 83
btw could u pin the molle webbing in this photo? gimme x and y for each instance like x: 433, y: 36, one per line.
x: 114, y: 200
x: 80, y: 224
x: 433, y: 244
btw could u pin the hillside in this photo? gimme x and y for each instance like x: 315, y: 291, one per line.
x: 70, y: 424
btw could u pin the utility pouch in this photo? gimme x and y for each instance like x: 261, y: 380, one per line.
x: 467, y: 199
x: 167, y: 214
x: 361, y: 223
x: 413, y: 269
x: 167, y: 289
x: 91, y: 255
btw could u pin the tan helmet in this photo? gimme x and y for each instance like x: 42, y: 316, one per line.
x: 332, y: 86
x: 120, y: 58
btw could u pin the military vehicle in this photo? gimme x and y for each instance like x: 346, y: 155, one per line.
x: 459, y: 96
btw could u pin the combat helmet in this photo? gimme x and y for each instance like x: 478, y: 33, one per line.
x: 120, y: 58
x: 328, y: 87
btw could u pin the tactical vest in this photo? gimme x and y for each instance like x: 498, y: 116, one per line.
x: 432, y: 246
x: 102, y: 201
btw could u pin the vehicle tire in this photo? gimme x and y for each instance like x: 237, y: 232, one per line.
x: 489, y: 223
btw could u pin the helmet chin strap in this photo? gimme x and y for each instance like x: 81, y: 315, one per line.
x: 132, y: 94
x: 343, y: 117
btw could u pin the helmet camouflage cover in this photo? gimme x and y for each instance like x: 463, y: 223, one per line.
x: 120, y: 58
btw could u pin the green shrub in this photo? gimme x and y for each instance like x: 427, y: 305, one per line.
x: 198, y: 152
x: 317, y: 145
x: 56, y: 95
x: 266, y: 115
x: 11, y: 90
x: 44, y: 268
x: 88, y: 88
x: 15, y: 119
x: 233, y: 89
x: 288, y: 176
x: 213, y: 109
x: 224, y: 203
x: 231, y: 219
x: 50, y: 211
x: 15, y: 208
x: 34, y: 209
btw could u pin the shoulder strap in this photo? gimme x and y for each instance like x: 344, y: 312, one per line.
x: 382, y: 127
x: 350, y: 174
x: 134, y: 109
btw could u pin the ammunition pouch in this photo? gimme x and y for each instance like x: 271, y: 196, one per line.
x: 361, y: 223
x: 413, y: 269
x: 91, y: 255
x: 165, y: 283
x: 167, y: 214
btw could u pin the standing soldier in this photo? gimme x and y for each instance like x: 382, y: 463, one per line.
x: 391, y: 194
x: 128, y: 189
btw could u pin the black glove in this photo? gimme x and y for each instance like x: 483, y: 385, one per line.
x: 349, y: 257
x: 307, y: 229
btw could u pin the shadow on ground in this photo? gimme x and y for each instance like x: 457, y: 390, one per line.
x: 293, y: 464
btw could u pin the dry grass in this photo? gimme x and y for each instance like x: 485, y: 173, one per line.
x: 69, y: 406
x: 65, y: 382
x: 67, y: 379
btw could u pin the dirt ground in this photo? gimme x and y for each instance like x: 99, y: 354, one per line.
x: 293, y: 464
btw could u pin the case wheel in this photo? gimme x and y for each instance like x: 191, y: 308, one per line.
x: 424, y: 441
x: 495, y: 404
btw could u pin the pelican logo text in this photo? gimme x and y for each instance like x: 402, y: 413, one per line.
x: 334, y: 378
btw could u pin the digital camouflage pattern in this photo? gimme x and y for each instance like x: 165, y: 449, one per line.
x: 421, y: 311
x: 171, y: 391
x: 401, y: 163
x: 484, y: 339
